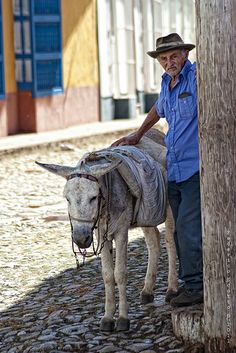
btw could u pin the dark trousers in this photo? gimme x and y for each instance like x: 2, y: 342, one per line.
x: 184, y: 199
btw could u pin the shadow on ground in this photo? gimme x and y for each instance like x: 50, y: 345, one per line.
x: 62, y: 314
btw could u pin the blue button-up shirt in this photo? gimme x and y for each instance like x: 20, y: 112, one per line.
x: 179, y: 107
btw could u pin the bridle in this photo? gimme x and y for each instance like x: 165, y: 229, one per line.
x: 102, y: 203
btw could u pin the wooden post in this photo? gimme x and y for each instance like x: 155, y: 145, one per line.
x: 216, y: 57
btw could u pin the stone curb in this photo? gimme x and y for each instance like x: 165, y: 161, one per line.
x: 11, y: 144
x: 22, y: 142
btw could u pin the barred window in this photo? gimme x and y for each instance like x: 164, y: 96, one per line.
x: 2, y: 81
x: 38, y: 46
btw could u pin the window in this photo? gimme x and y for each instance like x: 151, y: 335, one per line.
x: 157, y: 32
x: 124, y: 33
x: 172, y: 15
x: 38, y: 46
x: 2, y: 81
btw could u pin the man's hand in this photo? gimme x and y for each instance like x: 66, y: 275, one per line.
x: 134, y: 138
x: 131, y: 139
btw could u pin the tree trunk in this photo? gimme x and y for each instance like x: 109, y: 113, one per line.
x: 188, y: 324
x: 216, y: 56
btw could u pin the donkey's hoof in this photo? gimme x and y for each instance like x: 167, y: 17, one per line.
x: 170, y: 294
x: 107, y: 325
x: 146, y: 298
x: 122, y: 324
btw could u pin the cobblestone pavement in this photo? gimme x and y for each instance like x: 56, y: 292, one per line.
x: 47, y: 305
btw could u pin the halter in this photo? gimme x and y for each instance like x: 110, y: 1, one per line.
x: 82, y: 175
x: 100, y: 244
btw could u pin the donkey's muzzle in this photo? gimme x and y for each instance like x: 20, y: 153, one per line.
x: 82, y: 236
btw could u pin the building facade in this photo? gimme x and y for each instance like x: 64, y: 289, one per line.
x: 48, y: 65
x: 69, y: 62
x: 127, y: 29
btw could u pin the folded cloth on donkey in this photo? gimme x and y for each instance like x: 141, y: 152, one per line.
x: 150, y: 206
x: 146, y: 181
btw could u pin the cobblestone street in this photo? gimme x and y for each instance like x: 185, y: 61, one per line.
x: 47, y: 305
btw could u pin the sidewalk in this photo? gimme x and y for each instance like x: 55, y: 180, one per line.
x: 18, y: 142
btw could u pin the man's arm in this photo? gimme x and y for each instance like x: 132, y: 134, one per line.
x: 132, y: 139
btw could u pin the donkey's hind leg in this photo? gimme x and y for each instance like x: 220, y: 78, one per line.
x: 152, y: 238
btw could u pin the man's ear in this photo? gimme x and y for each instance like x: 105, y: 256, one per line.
x: 186, y: 53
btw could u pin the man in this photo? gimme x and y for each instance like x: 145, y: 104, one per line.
x: 178, y: 104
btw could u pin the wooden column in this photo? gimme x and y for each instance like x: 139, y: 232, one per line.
x: 216, y: 57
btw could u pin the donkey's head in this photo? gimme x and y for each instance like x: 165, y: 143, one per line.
x: 84, y: 195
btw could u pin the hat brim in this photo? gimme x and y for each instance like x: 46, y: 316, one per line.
x: 154, y: 54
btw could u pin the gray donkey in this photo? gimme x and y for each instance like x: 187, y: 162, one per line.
x: 105, y: 195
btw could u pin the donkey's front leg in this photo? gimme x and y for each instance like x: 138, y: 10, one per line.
x: 121, y: 240
x: 152, y: 238
x: 107, y: 322
x: 171, y: 250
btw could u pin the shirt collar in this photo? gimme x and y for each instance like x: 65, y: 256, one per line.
x: 183, y: 72
x: 186, y: 68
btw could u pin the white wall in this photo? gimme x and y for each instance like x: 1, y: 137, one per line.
x: 127, y: 29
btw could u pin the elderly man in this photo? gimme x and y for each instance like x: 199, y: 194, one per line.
x: 178, y: 104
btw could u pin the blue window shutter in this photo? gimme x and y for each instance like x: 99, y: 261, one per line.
x: 2, y: 81
x: 23, y: 51
x: 46, y: 45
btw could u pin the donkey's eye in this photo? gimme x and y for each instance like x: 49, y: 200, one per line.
x: 67, y: 200
x: 93, y: 199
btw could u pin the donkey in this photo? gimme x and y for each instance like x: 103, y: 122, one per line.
x: 99, y: 197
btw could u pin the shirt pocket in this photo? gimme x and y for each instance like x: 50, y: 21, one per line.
x: 186, y: 107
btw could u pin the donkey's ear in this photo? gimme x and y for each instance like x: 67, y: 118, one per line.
x: 60, y: 170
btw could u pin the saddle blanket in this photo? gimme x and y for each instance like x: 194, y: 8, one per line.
x: 150, y: 204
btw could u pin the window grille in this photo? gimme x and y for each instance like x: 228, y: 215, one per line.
x: 38, y: 46
x: 157, y: 32
x: 2, y: 81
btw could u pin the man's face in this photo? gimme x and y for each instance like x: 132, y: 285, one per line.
x: 172, y: 61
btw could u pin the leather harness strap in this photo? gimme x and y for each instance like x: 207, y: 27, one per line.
x: 96, y: 250
x: 82, y: 175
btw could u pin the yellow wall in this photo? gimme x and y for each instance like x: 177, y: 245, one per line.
x: 9, y: 51
x: 80, y: 52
